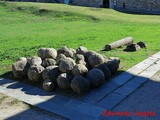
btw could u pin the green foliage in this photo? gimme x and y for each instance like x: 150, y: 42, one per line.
x: 26, y: 27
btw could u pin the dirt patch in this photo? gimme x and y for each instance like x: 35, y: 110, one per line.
x: 13, y: 109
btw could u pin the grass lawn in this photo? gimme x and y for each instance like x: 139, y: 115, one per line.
x: 26, y: 27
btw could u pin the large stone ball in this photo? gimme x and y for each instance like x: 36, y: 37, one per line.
x: 35, y: 61
x: 62, y: 50
x: 104, y: 68
x: 51, y: 73
x: 95, y: 60
x: 73, y: 50
x: 22, y: 58
x: 113, y: 65
x: 60, y: 57
x: 48, y: 85
x: 81, y: 50
x: 81, y: 62
x: 79, y: 69
x: 48, y: 62
x: 80, y: 85
x: 54, y: 73
x: 46, y: 72
x: 69, y: 53
x: 67, y: 65
x: 88, y: 54
x: 35, y: 72
x: 96, y: 77
x: 79, y: 57
x: 20, y: 69
x: 64, y: 80
x: 47, y: 53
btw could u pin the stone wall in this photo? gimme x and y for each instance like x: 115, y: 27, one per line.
x: 139, y: 6
x: 134, y: 6
x: 89, y: 3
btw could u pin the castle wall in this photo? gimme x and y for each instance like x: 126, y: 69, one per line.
x: 134, y: 6
x: 139, y: 6
x: 89, y: 3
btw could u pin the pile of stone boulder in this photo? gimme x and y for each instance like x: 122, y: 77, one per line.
x: 66, y: 68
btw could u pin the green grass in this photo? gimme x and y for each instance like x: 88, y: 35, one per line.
x: 26, y: 27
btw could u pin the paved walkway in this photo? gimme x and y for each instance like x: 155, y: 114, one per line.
x: 92, y: 105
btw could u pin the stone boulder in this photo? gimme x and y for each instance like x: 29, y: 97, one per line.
x: 62, y: 50
x: 47, y: 53
x: 81, y: 50
x: 60, y: 57
x: 79, y: 69
x: 81, y: 62
x: 35, y: 73
x: 96, y: 77
x: 113, y: 65
x: 104, y: 68
x: 48, y: 62
x: 35, y: 61
x: 51, y: 73
x: 22, y: 58
x: 67, y: 65
x: 20, y: 69
x: 95, y: 60
x: 64, y: 80
x: 79, y: 57
x: 48, y: 85
x: 80, y: 85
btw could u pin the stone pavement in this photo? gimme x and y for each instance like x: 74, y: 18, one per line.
x: 91, y: 105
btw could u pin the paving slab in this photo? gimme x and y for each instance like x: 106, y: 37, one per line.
x: 111, y: 101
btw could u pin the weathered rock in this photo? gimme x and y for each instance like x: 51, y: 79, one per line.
x: 35, y: 72
x: 60, y: 57
x: 69, y: 53
x: 51, y: 73
x: 22, y: 58
x: 95, y: 60
x: 73, y: 50
x: 80, y: 85
x: 46, y: 72
x: 141, y: 44
x: 64, y: 80
x: 114, y: 58
x: 113, y: 65
x: 48, y: 62
x: 66, y: 65
x: 104, y: 68
x: 79, y: 69
x: 41, y: 53
x: 35, y: 61
x: 48, y: 85
x: 88, y: 54
x: 20, y: 69
x: 79, y: 57
x: 54, y: 73
x: 62, y: 50
x: 81, y: 50
x: 96, y: 77
x: 81, y: 62
x: 133, y: 47
x: 47, y: 53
